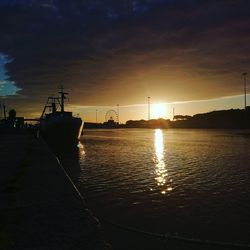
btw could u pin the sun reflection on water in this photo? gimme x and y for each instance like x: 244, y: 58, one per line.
x: 160, y: 167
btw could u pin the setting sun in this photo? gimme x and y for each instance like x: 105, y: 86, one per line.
x: 159, y: 110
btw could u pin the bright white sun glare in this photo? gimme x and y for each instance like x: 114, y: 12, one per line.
x: 159, y: 110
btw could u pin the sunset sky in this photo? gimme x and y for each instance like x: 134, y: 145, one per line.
x: 186, y: 54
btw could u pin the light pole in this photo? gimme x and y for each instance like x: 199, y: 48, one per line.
x: 4, y: 112
x: 118, y: 113
x: 148, y: 107
x: 245, y: 88
x: 96, y: 116
x: 1, y: 111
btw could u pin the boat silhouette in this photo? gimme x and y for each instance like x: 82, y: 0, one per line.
x: 57, y: 125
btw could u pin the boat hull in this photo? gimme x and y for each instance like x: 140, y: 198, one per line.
x: 61, y: 130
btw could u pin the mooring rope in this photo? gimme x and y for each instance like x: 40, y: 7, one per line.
x: 166, y: 236
x: 176, y: 237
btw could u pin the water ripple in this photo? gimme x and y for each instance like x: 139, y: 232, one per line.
x: 173, y: 177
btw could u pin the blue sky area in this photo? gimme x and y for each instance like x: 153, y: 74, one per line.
x: 7, y: 87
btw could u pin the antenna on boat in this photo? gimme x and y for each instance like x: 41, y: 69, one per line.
x: 53, y: 103
x: 63, y: 96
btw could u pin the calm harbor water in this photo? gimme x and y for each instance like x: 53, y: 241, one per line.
x: 191, y: 182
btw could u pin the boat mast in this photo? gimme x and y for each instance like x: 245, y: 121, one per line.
x: 63, y: 96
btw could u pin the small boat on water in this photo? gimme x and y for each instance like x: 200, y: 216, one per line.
x: 57, y: 125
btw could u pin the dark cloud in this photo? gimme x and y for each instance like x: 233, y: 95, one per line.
x: 108, y: 51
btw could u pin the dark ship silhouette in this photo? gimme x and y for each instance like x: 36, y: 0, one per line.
x: 59, y: 126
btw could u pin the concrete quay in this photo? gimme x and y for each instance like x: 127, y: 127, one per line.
x: 39, y: 207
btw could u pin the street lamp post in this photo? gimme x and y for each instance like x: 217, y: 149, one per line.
x: 245, y: 88
x: 148, y: 107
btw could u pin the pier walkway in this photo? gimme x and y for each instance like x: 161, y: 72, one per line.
x: 39, y: 208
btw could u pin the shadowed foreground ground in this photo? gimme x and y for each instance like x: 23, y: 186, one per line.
x: 39, y: 208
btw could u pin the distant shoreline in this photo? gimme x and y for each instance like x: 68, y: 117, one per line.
x: 221, y: 119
